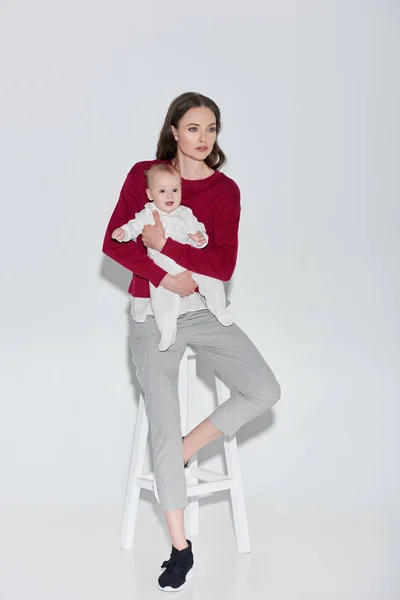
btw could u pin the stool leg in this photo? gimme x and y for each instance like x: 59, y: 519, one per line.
x: 233, y: 466
x: 135, y: 470
x: 188, y: 404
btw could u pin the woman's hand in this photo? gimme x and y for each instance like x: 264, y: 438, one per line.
x: 181, y: 284
x: 153, y: 236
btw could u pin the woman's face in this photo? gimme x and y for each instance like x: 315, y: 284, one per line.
x: 196, y: 133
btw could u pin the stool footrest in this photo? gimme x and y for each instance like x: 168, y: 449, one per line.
x: 206, y: 475
x: 198, y: 489
x: 145, y: 482
x: 214, y: 482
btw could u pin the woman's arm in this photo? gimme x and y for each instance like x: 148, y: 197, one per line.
x: 132, y: 256
x: 218, y: 259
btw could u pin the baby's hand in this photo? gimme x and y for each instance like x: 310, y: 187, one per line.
x: 197, y: 237
x: 118, y: 234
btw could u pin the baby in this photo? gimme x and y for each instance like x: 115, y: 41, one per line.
x: 164, y: 192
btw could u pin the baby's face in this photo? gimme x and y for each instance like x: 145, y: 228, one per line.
x: 165, y: 191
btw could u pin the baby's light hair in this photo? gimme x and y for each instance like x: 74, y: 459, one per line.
x: 160, y: 168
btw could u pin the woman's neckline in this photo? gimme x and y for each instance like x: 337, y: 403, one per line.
x: 215, y: 171
x: 202, y: 179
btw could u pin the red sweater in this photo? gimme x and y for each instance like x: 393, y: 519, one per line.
x: 215, y: 201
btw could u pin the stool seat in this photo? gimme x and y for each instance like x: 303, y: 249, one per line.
x: 199, y: 481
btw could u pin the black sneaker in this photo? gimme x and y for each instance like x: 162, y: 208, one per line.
x: 178, y: 568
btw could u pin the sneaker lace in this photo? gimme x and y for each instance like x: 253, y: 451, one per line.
x: 174, y: 565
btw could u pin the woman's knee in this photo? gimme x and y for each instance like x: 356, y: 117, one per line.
x: 275, y: 394
x: 268, y: 393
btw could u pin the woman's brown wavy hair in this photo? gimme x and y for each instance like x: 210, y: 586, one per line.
x: 167, y: 146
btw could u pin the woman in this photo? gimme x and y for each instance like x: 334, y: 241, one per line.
x: 189, y: 141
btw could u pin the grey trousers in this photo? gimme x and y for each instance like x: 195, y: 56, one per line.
x: 230, y: 352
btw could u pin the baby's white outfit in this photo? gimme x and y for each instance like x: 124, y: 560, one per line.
x: 167, y: 305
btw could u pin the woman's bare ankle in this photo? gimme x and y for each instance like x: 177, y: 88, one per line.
x: 200, y: 436
x: 180, y: 544
x: 176, y: 527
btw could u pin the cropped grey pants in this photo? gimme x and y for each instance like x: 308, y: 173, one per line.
x: 230, y: 352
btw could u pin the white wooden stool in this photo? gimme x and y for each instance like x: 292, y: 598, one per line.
x: 211, y: 482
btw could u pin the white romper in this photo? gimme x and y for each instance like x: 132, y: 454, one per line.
x: 167, y: 305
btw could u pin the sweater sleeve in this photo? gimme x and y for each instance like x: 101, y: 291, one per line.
x: 218, y: 259
x: 131, y: 255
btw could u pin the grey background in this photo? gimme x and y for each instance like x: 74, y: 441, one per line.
x: 309, y: 93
